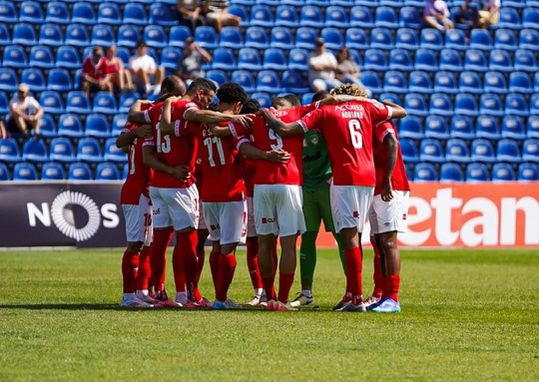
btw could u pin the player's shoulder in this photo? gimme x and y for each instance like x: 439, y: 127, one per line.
x: 185, y: 104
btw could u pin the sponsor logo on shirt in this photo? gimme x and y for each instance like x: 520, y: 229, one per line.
x: 214, y: 227
x: 268, y: 220
x: 404, y: 216
x: 355, y: 214
x: 157, y: 211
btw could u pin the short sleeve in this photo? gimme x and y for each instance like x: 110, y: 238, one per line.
x: 237, y: 130
x: 310, y: 120
x: 33, y: 103
x: 380, y: 112
x: 381, y: 130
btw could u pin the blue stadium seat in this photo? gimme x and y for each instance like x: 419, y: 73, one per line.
x: 445, y: 82
x: 399, y: 59
x: 102, y: 35
x: 34, y: 150
x: 528, y: 172
x: 477, y: 173
x: 97, y: 125
x: 57, y: 12
x: 431, y: 150
x: 256, y: 37
x: 8, y: 13
x: 89, y: 150
x: 223, y: 58
x: 310, y: 16
x: 503, y: 172
x: 482, y: 151
x: 440, y: 104
x: 487, y: 127
x: 178, y: 35
x: 113, y: 153
x: 245, y: 79
x: 371, y: 80
x: 529, y: 39
x: 126, y: 100
x: 409, y: 150
x: 475, y: 60
x: 381, y: 38
x: 69, y: 125
x: 375, y: 59
x: 106, y: 171
x: 48, y: 127
x: 4, y: 172
x: 50, y: 34
x: 355, y: 38
x: 495, y: 83
x: 14, y: 57
x: 425, y: 172
x: 336, y: 16
x: 415, y: 104
x: 34, y: 79
x: 4, y: 35
x: 530, y: 150
x: 262, y: 16
x: 361, y: 16
x: 231, y: 38
x: 8, y: 80
x: 333, y: 38
x: 411, y: 127
x: 500, y: 60
x: 170, y: 57
x: 134, y: 13
x: 109, y: 13
x: 451, y: 172
x: 393, y: 3
x: 83, y: 13
x: 23, y: 34
x: 128, y: 36
x: 395, y: 82
x: 52, y: 171
x: 297, y: 59
x: 248, y: 58
x: 450, y: 60
x: 455, y: 39
x: 462, y: 127
x: 456, y: 150
x: 281, y: 37
x: 508, y: 151
x: 509, y: 18
x: 386, y: 17
x: 217, y: 76
x: 320, y: 3
x: 293, y: 82
x: 431, y: 39
x: 410, y: 18
x: 480, y: 39
x: 286, y: 16
x: 419, y: 82
x: 406, y: 38
x: 425, y: 59
x: 530, y: 18
x: 534, y: 104
x: 77, y: 102
x: 104, y: 103
x: 520, y: 82
x: 30, y: 11
x: 513, y: 127
x: 161, y: 14
x: 268, y: 81
x: 533, y: 126
x: 9, y: 150
x: 41, y: 57
x: 118, y: 123
x: 24, y: 172
x: 391, y: 97
x: 51, y: 102
x: 79, y: 171
x: 505, y: 39
x: 4, y: 103
x: 263, y: 98
x: 125, y: 171
x: 274, y: 59
x: 206, y: 37
x: 436, y: 127
x: 525, y: 61
x: 77, y: 35
x: 520, y: 3
x: 491, y: 104
x: 61, y: 150
x: 516, y: 104
x: 155, y: 37
x: 240, y: 11
x: 68, y: 57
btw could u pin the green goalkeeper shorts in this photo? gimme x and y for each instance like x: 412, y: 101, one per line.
x: 316, y: 208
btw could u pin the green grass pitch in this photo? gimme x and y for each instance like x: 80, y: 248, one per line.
x: 467, y: 315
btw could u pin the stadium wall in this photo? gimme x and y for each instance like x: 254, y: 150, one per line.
x: 88, y: 215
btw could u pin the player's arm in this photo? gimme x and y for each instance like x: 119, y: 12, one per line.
x: 281, y: 128
x: 209, y: 116
x: 390, y: 146
x: 220, y: 131
x: 180, y: 172
x: 397, y: 111
x: 251, y: 152
x: 126, y: 138
x: 138, y: 117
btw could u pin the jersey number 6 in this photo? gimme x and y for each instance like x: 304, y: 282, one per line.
x: 355, y: 133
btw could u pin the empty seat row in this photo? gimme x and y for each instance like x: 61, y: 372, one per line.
x: 474, y: 173
x: 55, y: 171
x: 70, y: 125
x: 266, y: 80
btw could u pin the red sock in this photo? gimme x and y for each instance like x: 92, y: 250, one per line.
x: 269, y: 288
x: 378, y: 276
x: 186, y: 242
x: 391, y: 286
x: 214, y: 268
x: 129, y: 271
x: 354, y: 266
x: 252, y: 262
x: 179, y: 275
x: 158, y: 250
x: 285, y: 283
x: 200, y: 266
x: 227, y: 265
x: 275, y: 260
x: 144, y: 270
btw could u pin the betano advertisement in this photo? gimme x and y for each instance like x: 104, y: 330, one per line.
x: 88, y: 214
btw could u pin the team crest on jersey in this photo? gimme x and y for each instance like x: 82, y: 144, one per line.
x: 404, y: 216
x: 355, y: 214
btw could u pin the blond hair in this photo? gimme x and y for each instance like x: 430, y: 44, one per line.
x: 350, y: 89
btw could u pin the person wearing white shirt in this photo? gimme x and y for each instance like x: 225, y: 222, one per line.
x: 25, y: 112
x: 144, y: 68
x: 489, y: 13
x: 322, y: 66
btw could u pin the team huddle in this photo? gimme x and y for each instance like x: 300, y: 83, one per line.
x: 237, y: 173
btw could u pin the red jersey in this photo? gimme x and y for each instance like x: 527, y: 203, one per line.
x: 248, y: 171
x: 348, y: 129
x: 138, y: 176
x: 178, y: 149
x: 98, y: 71
x: 266, y: 139
x: 399, y: 179
x: 220, y: 167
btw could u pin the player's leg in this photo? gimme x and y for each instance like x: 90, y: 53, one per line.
x: 144, y: 270
x: 377, y: 256
x: 202, y: 235
x: 252, y: 258
x: 324, y: 204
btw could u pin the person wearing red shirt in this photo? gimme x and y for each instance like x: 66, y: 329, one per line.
x: 348, y: 128
x: 387, y: 217
x: 94, y: 73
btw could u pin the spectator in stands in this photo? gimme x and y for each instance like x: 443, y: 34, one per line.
x: 3, y: 132
x: 489, y: 14
x: 347, y: 69
x: 94, y: 72
x: 467, y: 14
x: 436, y: 15
x: 193, y: 56
x: 25, y: 112
x: 190, y: 13
x: 217, y: 14
x: 144, y: 68
x: 119, y: 76
x: 322, y: 67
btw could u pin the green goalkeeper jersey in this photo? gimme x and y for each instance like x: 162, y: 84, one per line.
x: 316, y: 167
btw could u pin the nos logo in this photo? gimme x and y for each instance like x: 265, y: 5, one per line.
x: 64, y: 218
